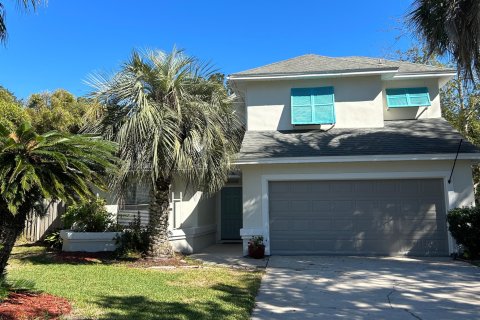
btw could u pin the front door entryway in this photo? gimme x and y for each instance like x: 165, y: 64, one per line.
x: 231, y: 213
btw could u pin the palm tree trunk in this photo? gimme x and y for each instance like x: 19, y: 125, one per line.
x: 11, y: 226
x: 159, y: 246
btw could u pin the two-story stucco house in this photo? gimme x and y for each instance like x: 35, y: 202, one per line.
x: 341, y: 156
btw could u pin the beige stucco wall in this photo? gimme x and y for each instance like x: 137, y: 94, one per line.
x: 434, y: 111
x: 195, y: 209
x: 460, y: 192
x: 358, y: 102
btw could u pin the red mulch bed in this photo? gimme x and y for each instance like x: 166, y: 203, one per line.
x: 29, y: 306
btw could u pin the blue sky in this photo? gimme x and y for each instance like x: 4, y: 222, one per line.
x: 65, y: 41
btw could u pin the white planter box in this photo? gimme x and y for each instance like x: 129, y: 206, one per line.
x: 88, y: 241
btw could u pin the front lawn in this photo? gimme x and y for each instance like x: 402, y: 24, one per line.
x: 118, y: 291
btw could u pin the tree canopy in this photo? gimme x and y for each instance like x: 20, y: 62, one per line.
x: 450, y: 27
x: 12, y: 113
x: 60, y: 111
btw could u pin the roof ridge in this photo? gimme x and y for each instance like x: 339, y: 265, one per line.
x: 283, y: 61
x: 406, y: 62
x: 368, y: 62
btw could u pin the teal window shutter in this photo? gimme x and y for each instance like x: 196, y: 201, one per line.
x: 407, y: 97
x: 312, y: 106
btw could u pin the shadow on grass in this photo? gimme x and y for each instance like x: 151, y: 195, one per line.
x: 41, y: 255
x: 232, y: 303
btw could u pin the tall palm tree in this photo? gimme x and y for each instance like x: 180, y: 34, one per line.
x: 49, y: 166
x: 173, y: 119
x: 450, y: 26
x: 24, y: 4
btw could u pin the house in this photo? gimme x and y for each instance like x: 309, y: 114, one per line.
x: 343, y: 155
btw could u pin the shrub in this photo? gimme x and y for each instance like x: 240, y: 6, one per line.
x: 135, y: 239
x: 90, y: 216
x: 53, y: 240
x: 464, y: 225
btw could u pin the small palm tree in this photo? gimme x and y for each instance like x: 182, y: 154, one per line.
x: 173, y: 119
x: 50, y: 166
x: 450, y: 26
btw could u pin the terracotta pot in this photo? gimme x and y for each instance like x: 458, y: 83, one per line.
x: 257, y: 252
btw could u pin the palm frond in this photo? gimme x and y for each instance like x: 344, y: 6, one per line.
x: 450, y: 27
x: 52, y: 165
x: 170, y: 119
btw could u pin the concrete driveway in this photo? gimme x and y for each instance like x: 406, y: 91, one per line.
x: 368, y: 288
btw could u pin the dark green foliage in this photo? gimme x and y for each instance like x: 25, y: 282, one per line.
x: 50, y: 166
x: 53, y: 240
x: 464, y: 225
x: 88, y: 216
x: 135, y: 239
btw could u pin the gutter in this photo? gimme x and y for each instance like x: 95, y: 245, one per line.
x: 311, y: 75
x: 372, y: 158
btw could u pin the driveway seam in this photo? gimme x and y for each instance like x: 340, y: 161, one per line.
x: 390, y: 302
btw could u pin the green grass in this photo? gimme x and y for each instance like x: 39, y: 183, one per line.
x: 100, y: 291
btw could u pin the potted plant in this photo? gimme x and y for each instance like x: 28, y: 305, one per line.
x: 89, y: 228
x: 256, y: 248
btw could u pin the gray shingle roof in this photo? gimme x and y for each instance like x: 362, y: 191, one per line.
x: 312, y: 63
x: 427, y: 136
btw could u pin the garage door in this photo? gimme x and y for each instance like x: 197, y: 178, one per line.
x: 377, y: 217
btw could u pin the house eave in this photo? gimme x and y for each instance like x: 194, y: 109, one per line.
x: 308, y: 75
x: 475, y: 157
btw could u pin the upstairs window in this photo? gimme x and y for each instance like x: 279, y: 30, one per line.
x: 408, y: 97
x: 312, y: 106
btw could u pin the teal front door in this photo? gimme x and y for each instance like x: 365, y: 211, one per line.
x: 231, y: 213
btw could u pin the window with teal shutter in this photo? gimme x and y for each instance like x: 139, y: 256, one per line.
x: 313, y: 106
x: 408, y: 97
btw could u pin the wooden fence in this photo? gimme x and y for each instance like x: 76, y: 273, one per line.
x: 36, y: 227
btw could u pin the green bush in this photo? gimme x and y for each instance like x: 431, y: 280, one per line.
x: 464, y: 225
x: 134, y: 239
x: 53, y: 240
x: 89, y: 216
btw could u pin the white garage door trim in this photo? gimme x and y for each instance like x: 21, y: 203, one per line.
x: 448, y: 190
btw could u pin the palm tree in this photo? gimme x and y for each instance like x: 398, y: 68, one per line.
x: 450, y: 26
x: 49, y: 166
x: 25, y: 4
x: 173, y: 119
